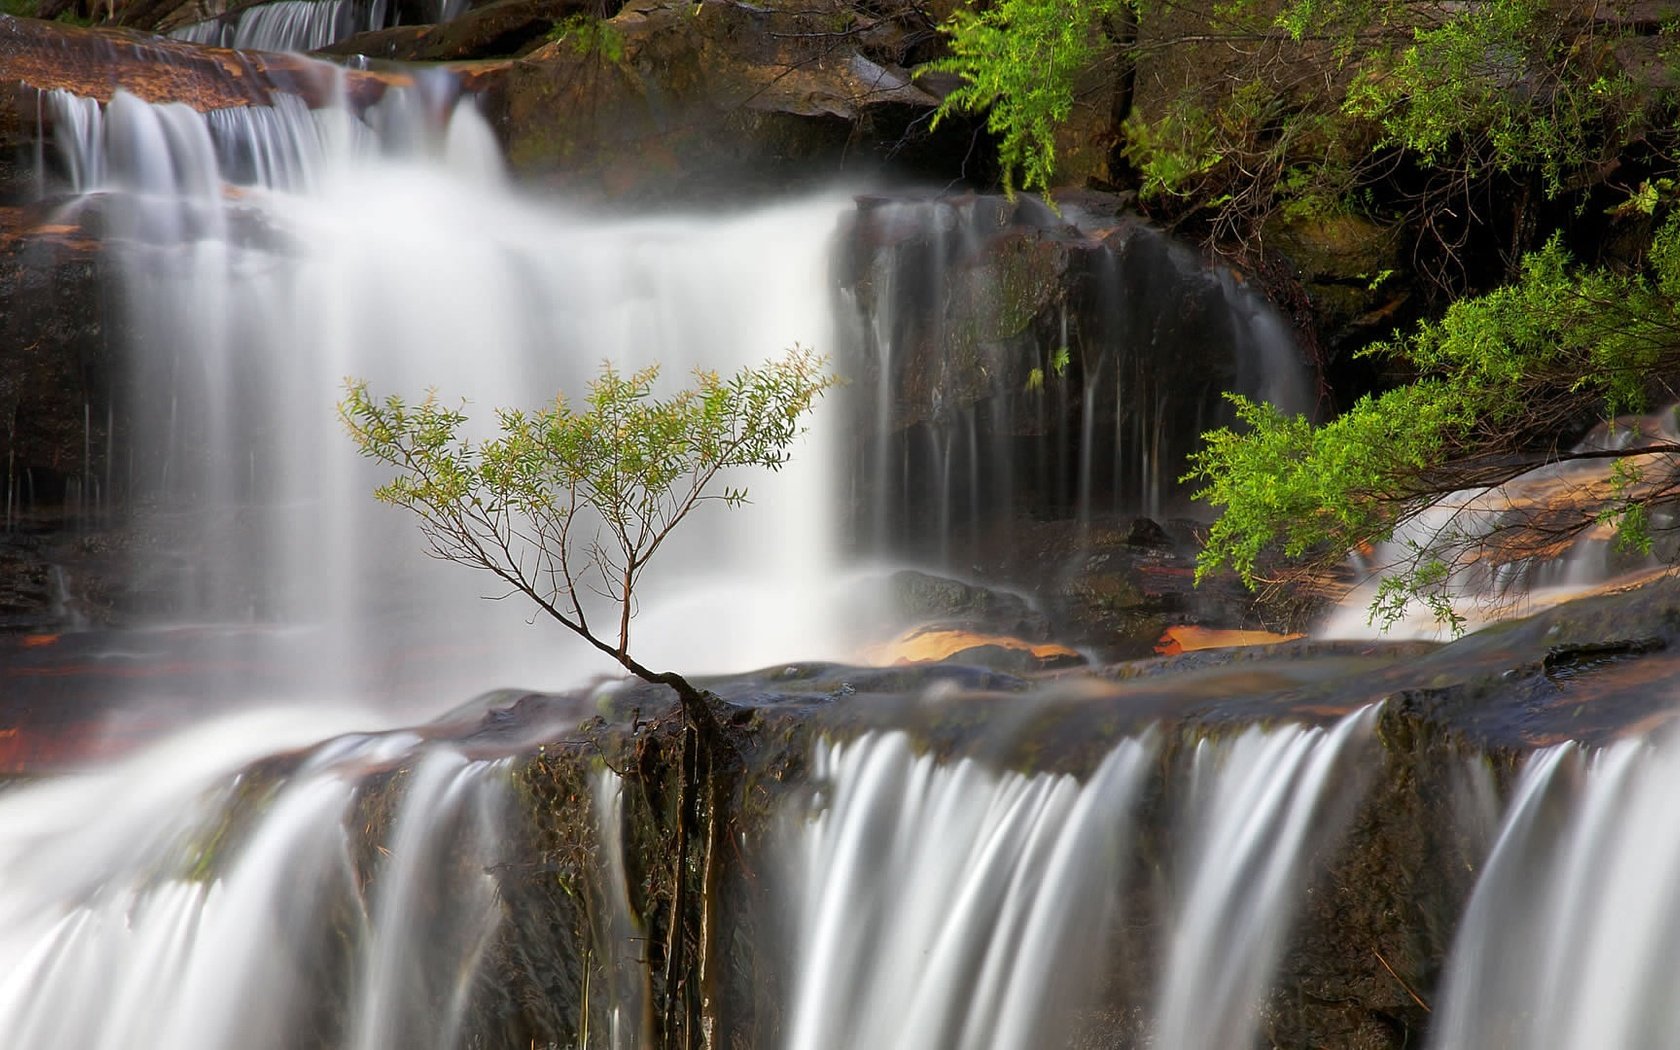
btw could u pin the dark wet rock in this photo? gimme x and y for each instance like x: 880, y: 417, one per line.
x: 395, y: 43
x: 979, y: 290
x: 1012, y: 366
x: 55, y: 371
x: 1013, y: 659
x: 494, y: 30
x: 1144, y: 532
x: 669, y: 98
x: 1112, y: 586
x: 923, y: 598
x: 965, y: 287
x: 1351, y: 270
x: 1378, y: 914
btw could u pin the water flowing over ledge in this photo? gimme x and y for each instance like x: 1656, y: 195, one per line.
x: 219, y: 908
x: 938, y: 904
x: 1572, y: 934
x: 1216, y: 851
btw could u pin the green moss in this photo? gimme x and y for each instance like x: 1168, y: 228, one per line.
x: 240, y: 805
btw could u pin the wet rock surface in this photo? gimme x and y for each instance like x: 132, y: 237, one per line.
x: 55, y: 365
x: 1379, y: 913
x: 673, y: 100
x: 95, y: 62
x: 1377, y: 916
x: 1011, y: 367
x: 493, y: 30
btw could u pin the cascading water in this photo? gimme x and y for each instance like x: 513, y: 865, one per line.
x: 627, y: 998
x: 1013, y: 365
x: 1531, y: 542
x: 266, y: 253
x: 390, y: 248
x: 948, y: 905
x: 301, y: 25
x: 1258, y: 809
x: 174, y: 900
x: 1572, y: 935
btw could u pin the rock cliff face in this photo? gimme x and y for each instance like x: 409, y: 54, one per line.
x: 54, y: 370
x: 41, y: 56
x: 62, y: 361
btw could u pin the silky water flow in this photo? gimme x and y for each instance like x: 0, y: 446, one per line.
x: 220, y: 889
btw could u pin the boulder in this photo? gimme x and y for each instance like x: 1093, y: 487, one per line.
x: 921, y: 598
x: 1351, y: 271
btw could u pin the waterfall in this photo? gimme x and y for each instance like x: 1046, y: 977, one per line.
x: 304, y: 25
x: 1259, y: 808
x: 279, y: 25
x: 1572, y: 935
x: 181, y: 900
x: 1020, y: 364
x: 627, y: 998
x: 942, y: 906
x: 267, y: 253
x: 1512, y: 549
x: 945, y: 904
x: 233, y: 887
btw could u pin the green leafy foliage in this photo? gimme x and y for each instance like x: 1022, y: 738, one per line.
x: 1021, y: 60
x: 1503, y: 83
x: 1174, y: 153
x: 1256, y: 108
x: 1285, y: 483
x: 578, y: 497
x: 590, y: 36
x: 1497, y: 374
x: 1060, y: 359
x: 1426, y: 583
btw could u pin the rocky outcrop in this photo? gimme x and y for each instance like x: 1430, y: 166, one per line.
x: 1380, y: 903
x: 496, y: 29
x: 668, y: 98
x: 1351, y: 271
x: 40, y: 56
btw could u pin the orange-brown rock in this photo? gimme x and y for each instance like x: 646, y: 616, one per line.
x: 94, y: 63
x: 939, y: 643
x: 1189, y: 639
